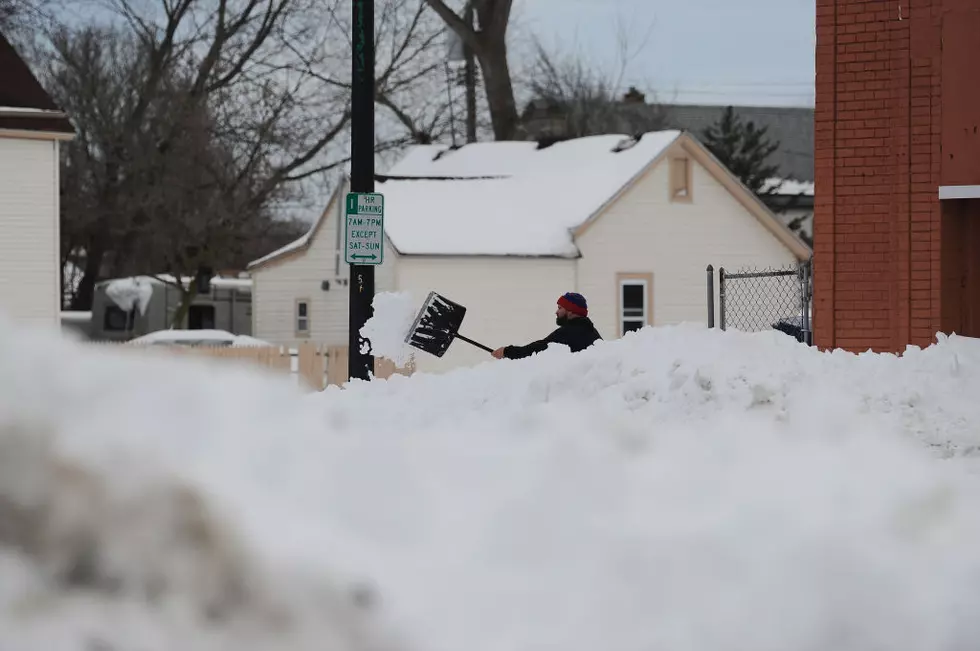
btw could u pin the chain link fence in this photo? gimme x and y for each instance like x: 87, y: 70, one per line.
x: 755, y: 300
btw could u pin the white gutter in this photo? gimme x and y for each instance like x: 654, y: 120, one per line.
x: 23, y: 112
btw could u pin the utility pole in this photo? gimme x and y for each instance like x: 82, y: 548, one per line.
x: 361, y: 365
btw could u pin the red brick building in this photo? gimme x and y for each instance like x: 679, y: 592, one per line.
x: 897, y: 166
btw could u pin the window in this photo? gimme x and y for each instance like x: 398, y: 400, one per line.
x: 680, y: 179
x: 634, y: 301
x: 200, y: 317
x: 302, y: 318
x: 117, y: 320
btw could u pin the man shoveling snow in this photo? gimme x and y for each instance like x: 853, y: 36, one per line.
x: 575, y: 330
x: 438, y: 322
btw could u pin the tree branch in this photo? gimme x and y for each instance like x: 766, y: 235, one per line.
x: 458, y: 25
x: 268, y: 22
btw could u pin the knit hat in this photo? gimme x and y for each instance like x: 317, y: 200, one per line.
x: 574, y: 303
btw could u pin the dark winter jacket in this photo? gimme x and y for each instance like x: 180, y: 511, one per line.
x: 578, y: 334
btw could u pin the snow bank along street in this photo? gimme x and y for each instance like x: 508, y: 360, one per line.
x: 680, y: 489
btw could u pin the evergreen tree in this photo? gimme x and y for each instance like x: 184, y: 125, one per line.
x: 743, y: 148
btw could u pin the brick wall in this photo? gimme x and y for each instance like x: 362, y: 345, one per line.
x: 877, y: 135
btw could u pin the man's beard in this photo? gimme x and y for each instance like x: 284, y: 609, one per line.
x: 561, y: 320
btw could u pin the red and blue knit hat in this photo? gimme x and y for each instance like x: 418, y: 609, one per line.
x: 574, y: 303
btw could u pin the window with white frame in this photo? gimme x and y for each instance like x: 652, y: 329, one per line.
x: 634, y: 308
x: 302, y: 317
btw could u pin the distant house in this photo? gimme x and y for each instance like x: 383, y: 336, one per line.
x: 31, y: 129
x: 791, y: 126
x: 505, y: 227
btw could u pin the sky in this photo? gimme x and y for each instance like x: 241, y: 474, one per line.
x: 684, y: 51
x: 693, y: 51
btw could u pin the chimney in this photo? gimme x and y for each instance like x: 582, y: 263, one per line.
x: 633, y: 96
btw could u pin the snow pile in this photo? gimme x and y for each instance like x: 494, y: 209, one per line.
x: 394, y: 313
x: 104, y: 547
x: 130, y: 293
x: 679, y: 489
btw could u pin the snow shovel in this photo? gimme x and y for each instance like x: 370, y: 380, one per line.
x: 437, y: 324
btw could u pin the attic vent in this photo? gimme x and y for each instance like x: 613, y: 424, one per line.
x: 627, y: 143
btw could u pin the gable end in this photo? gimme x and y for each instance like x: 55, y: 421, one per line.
x: 745, y: 196
x: 686, y: 146
x: 25, y: 107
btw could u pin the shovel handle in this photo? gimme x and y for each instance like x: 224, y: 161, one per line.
x: 475, y: 343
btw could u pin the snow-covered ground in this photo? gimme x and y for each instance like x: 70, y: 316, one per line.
x: 680, y: 489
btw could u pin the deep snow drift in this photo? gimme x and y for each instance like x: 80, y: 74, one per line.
x: 678, y: 490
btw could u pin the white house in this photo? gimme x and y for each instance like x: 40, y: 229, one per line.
x: 31, y: 127
x: 505, y: 227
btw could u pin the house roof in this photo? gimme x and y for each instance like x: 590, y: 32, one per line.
x: 508, y: 198
x: 518, y: 198
x: 791, y: 127
x: 24, y: 104
x: 303, y: 242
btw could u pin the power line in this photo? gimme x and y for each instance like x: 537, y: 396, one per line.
x: 749, y: 84
x: 683, y: 91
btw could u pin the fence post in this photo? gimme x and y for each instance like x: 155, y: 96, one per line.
x: 805, y: 312
x: 711, y: 296
x: 721, y: 296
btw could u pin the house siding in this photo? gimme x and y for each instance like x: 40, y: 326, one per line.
x: 278, y: 285
x: 30, y: 282
x: 507, y: 300
x: 644, y: 232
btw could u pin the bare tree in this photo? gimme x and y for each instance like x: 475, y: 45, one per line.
x: 16, y: 15
x: 487, y: 40
x: 183, y: 201
x: 135, y: 94
x: 575, y: 98
x: 198, y: 118
x: 410, y: 78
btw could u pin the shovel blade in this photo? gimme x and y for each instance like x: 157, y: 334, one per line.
x: 436, y: 325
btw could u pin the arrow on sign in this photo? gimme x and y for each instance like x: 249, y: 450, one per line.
x: 365, y: 257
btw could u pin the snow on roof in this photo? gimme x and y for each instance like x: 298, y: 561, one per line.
x: 790, y: 187
x: 292, y: 246
x: 220, y: 282
x: 508, y: 198
x: 129, y: 293
x: 197, y: 338
x: 304, y: 240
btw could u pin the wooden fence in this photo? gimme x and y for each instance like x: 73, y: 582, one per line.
x: 314, y: 365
